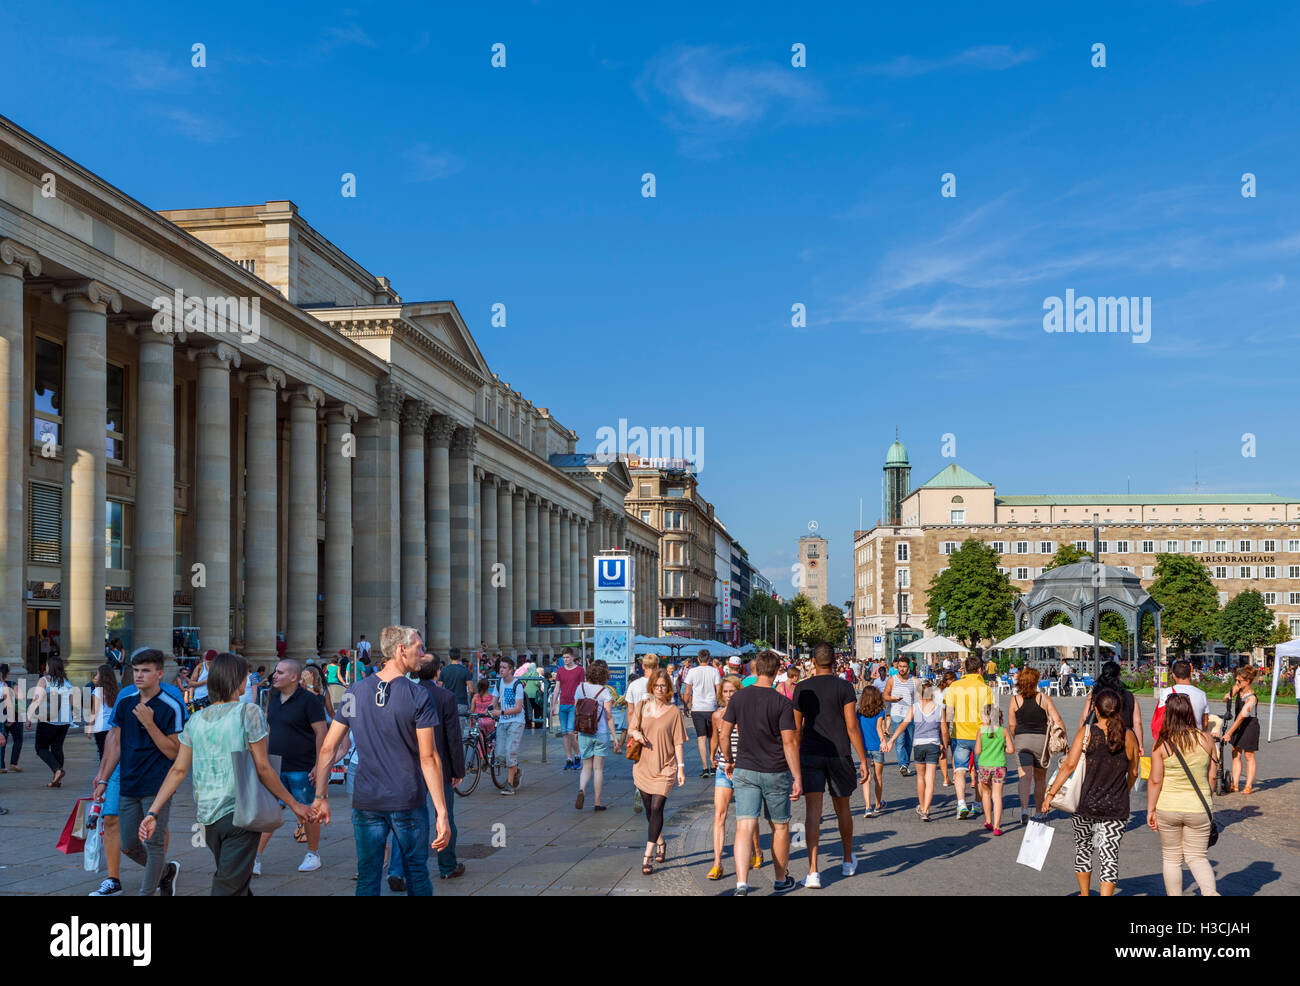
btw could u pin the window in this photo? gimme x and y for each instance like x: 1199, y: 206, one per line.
x: 1082, y: 546
x: 113, y: 550
x: 673, y: 552
x: 1222, y: 597
x: 1047, y: 547
x: 1294, y: 625
x: 1148, y: 571
x: 1245, y: 572
x: 1293, y: 545
x: 1122, y: 547
x: 115, y: 439
x: 1220, y: 572
x: 672, y: 583
x: 1196, y: 547
x: 904, y: 578
x: 1268, y: 547
x: 1003, y: 571
x: 1173, y: 547
x: 1293, y: 598
x: 1148, y: 547
x: 1220, y: 546
x: 1270, y: 599
x: 999, y: 546
x: 948, y: 547
x: 1103, y: 547
x: 1293, y: 571
x: 902, y: 551
x: 904, y: 603
x: 956, y: 516
x: 1022, y: 574
x: 645, y: 489
x: 47, y: 393
x: 1270, y: 572
x: 673, y: 520
x: 678, y: 491
x: 812, y: 551
x: 1022, y: 547
x: 645, y: 516
x: 44, y: 524
x: 957, y: 499
x: 1244, y: 546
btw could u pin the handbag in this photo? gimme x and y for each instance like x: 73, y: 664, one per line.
x: 1067, y: 798
x: 1214, y: 826
x: 256, y: 808
x: 1035, y: 844
x: 632, y: 748
x: 1057, y: 741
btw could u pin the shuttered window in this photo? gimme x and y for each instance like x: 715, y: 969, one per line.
x: 44, y: 524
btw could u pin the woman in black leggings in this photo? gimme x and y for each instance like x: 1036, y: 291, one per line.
x: 13, y: 728
x: 662, y: 735
x: 52, y: 702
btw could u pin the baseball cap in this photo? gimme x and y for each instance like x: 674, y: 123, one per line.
x: 734, y: 662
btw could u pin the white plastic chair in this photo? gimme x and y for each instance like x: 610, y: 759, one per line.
x: 1054, y: 687
x: 1077, y: 687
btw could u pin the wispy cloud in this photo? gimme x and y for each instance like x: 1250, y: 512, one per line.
x: 132, y: 67
x: 994, y: 58
x: 346, y: 36
x: 204, y: 129
x: 426, y: 164
x: 710, y: 95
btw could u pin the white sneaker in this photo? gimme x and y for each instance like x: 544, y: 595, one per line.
x: 813, y: 881
x: 849, y: 866
x: 257, y: 865
x: 309, y: 862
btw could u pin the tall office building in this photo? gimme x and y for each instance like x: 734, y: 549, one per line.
x: 815, y: 568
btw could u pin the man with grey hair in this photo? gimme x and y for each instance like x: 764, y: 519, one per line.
x: 296, y: 718
x: 392, y: 720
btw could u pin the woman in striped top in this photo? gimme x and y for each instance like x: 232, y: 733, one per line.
x: 721, y: 783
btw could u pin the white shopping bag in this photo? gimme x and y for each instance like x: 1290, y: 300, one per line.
x: 1034, y: 846
x: 93, y: 853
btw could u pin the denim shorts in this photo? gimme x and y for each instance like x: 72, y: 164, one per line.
x: 875, y: 756
x: 303, y: 790
x: 962, y: 751
x: 925, y: 753
x: 593, y: 746
x: 720, y: 779
x: 112, y: 792
x: 508, y: 736
x: 566, y: 718
x: 756, y: 790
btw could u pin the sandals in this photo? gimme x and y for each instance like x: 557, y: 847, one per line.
x: 58, y: 778
x: 646, y: 868
x: 755, y: 861
x: 714, y: 874
x: 661, y: 852
x: 577, y: 802
x: 300, y: 833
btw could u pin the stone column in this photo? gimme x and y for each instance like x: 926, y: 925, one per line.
x: 437, y: 512
x: 544, y: 567
x: 532, y: 587
x: 340, y: 449
x: 505, y: 557
x: 212, y: 496
x: 557, y: 571
x: 463, y: 548
x: 84, y: 477
x: 565, y: 562
x: 519, y: 569
x: 586, y: 600
x: 575, y: 581
x: 15, y: 261
x: 375, y: 502
x: 488, y: 552
x: 304, y: 579
x: 415, y: 554
x: 261, y: 516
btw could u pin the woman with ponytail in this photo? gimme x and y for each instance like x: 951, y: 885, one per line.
x: 1111, y: 753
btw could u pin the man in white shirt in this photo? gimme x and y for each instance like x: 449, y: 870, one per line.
x: 1182, y: 672
x: 363, y: 647
x: 701, y: 695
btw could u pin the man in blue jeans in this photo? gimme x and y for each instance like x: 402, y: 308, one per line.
x: 393, y: 721
x: 900, y: 689
x: 451, y: 751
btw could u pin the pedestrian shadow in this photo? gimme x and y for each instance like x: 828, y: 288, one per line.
x: 1249, y: 881
x: 900, y: 859
x: 1272, y: 782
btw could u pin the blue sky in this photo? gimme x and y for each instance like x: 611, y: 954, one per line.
x: 775, y: 186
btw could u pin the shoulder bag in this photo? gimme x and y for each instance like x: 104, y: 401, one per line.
x: 256, y: 808
x: 632, y: 748
x: 1214, y: 827
x: 1067, y: 798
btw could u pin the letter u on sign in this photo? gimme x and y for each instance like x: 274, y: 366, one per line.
x: 611, y: 573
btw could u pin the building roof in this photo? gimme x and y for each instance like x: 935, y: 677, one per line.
x: 954, y: 477
x: 1125, y: 499
x: 897, y: 455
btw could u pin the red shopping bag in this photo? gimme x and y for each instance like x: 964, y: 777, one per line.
x: 68, y: 842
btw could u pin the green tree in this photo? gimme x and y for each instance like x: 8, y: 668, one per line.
x: 752, y: 613
x: 1067, y: 554
x: 976, y: 596
x: 1280, y: 635
x: 1245, y: 622
x: 1191, y: 605
x: 834, y: 630
x: 806, y: 622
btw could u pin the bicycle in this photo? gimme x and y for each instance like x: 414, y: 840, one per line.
x: 480, y: 749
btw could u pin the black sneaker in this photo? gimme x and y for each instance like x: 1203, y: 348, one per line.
x: 784, y: 886
x: 167, y: 882
x: 396, y: 884
x: 109, y: 888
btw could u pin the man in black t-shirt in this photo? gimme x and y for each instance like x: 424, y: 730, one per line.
x: 765, y: 772
x: 296, y: 718
x: 455, y: 677
x: 826, y: 721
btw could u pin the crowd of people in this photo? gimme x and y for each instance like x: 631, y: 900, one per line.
x: 769, y: 733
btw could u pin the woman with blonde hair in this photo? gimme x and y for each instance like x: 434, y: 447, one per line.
x: 1244, y: 732
x: 662, y: 736
x: 722, y: 786
x: 1031, y: 712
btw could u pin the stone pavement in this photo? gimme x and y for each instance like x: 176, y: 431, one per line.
x: 536, y: 843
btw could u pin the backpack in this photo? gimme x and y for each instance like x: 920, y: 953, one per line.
x: 586, y: 712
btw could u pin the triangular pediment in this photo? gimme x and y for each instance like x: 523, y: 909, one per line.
x: 442, y: 322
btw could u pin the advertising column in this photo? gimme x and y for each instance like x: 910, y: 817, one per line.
x: 614, y: 577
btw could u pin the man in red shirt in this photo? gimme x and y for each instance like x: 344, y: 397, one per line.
x: 568, y: 678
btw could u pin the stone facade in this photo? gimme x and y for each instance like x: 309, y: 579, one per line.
x: 814, y: 569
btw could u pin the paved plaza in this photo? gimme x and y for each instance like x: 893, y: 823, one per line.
x: 537, y: 843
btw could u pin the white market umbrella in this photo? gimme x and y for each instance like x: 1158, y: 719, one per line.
x: 1062, y: 635
x: 1016, y: 639
x: 1290, y: 649
x: 934, y: 645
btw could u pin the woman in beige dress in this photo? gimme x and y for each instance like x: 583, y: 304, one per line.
x: 658, y: 728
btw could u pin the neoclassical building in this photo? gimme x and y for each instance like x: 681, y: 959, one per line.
x: 298, y: 452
